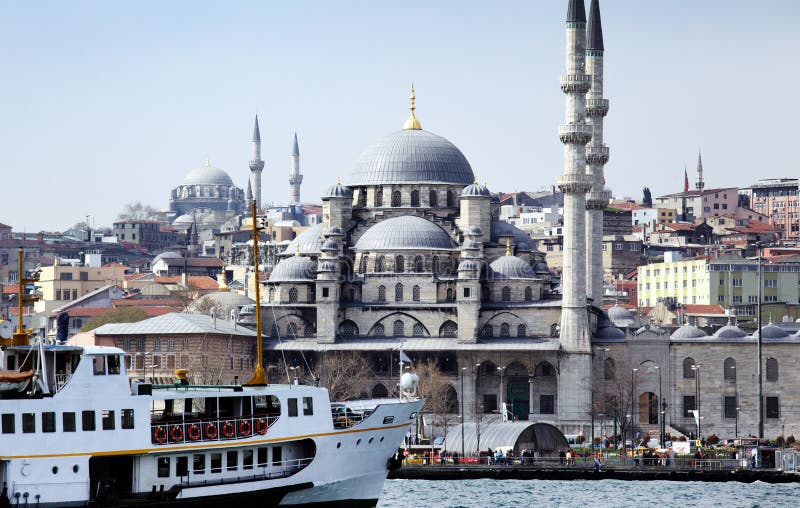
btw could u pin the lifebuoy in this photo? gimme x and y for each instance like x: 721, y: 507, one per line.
x: 211, y: 431
x: 176, y: 433
x: 261, y: 426
x: 228, y: 430
x: 193, y: 432
x: 160, y: 435
x: 245, y: 428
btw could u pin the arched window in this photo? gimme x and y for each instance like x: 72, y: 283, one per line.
x: 379, y: 264
x: 528, y: 294
x: 378, y: 330
x: 415, y: 293
x: 433, y: 199
x: 308, y: 331
x: 398, y: 328
x: 381, y: 293
x: 609, y: 369
x: 351, y: 294
x: 291, y: 331
x: 688, y: 372
x: 362, y: 197
x: 271, y: 294
x: 506, y: 294
x: 522, y: 330
x: 450, y: 295
x: 772, y: 369
x: 505, y: 330
x: 348, y: 329
x: 451, y: 202
x: 292, y: 295
x: 379, y: 392
x: 418, y: 331
x: 415, y: 198
x: 544, y: 369
x: 399, y: 264
x: 487, y: 331
x: 448, y: 329
x: 418, y: 264
x: 398, y: 292
x: 729, y: 373
x: 362, y: 267
x: 555, y: 330
x: 435, y: 264
x: 397, y: 198
x: 379, y: 197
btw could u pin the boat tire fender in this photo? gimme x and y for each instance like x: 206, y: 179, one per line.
x: 261, y: 426
x: 176, y: 433
x: 211, y: 431
x: 245, y: 428
x: 193, y: 432
x: 228, y: 430
x: 160, y: 435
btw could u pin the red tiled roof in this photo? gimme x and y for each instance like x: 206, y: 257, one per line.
x: 194, y: 281
x: 690, y: 308
x: 148, y: 302
x: 627, y: 205
x: 98, y: 311
x: 680, y: 226
x: 11, y: 289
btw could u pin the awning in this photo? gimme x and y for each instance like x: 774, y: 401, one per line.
x: 520, y: 435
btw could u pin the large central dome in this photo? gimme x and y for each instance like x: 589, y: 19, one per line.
x: 207, y: 175
x: 412, y: 156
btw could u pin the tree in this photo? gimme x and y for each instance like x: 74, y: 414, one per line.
x: 121, y: 315
x: 435, y: 387
x: 614, y: 398
x: 137, y: 211
x: 647, y: 199
x: 344, y: 374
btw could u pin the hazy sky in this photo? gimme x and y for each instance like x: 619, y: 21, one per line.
x: 105, y: 103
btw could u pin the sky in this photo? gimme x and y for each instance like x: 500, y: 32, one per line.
x: 108, y: 103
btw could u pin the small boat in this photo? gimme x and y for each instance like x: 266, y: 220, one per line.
x: 14, y: 381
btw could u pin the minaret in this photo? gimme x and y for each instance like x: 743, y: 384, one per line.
x: 295, y: 178
x: 699, y: 184
x: 574, y: 379
x: 256, y: 165
x: 248, y: 197
x: 596, y: 156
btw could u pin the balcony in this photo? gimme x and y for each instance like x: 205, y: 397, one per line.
x: 574, y: 183
x: 577, y: 133
x: 596, y: 154
x: 596, y: 107
x: 575, y: 83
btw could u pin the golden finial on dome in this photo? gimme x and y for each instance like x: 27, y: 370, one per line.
x: 221, y: 284
x: 338, y: 181
x: 475, y: 179
x: 508, y: 247
x: 297, y: 249
x: 412, y: 123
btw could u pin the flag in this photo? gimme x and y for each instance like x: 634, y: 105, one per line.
x: 404, y: 358
x: 685, y: 180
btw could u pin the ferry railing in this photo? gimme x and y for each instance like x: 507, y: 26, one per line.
x: 286, y: 468
x: 61, y: 381
x: 210, y: 429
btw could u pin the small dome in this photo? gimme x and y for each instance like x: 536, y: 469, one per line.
x: 730, y: 332
x: 511, y: 267
x: 295, y: 268
x: 606, y: 329
x: 406, y: 232
x: 475, y: 190
x: 183, y: 219
x: 412, y: 156
x: 474, y: 231
x: 688, y: 331
x: 467, y: 265
x: 309, y: 240
x: 621, y: 316
x: 541, y: 268
x: 338, y: 191
x: 329, y: 245
x: 772, y: 331
x: 334, y: 231
x: 327, y: 267
x: 207, y: 175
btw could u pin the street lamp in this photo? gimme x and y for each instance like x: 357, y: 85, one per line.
x: 662, y: 409
x: 736, y: 398
x: 504, y: 416
x: 759, y: 245
x: 633, y: 373
x: 462, y: 412
x: 603, y: 394
x: 696, y: 369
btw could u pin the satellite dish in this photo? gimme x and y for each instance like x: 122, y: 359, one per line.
x: 6, y: 329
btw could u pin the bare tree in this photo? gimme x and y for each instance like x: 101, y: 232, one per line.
x: 614, y: 397
x: 435, y: 387
x: 137, y: 211
x: 344, y: 374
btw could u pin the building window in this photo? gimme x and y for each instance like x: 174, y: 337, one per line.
x: 379, y: 197
x: 773, y: 407
x: 415, y: 198
x: 528, y: 294
x: 609, y: 369
x: 771, y: 283
x: 348, y: 329
x: 381, y: 293
x: 488, y: 331
x: 547, y: 404
x: 466, y: 292
x: 505, y: 330
x: 362, y: 266
x: 730, y: 406
x: 398, y: 328
x: 398, y: 292
x: 729, y: 372
x: 772, y: 369
x: 378, y: 330
x: 451, y: 202
x: 156, y: 344
x: 397, y: 198
x: 415, y: 293
x: 433, y: 198
x: 418, y: 264
x: 688, y: 405
x: 291, y: 330
x: 399, y: 264
x: 505, y: 294
x: 522, y: 330
x: 292, y: 295
x: 448, y: 329
x: 418, y: 330
x: 379, y: 264
x: 688, y: 371
x: 449, y: 295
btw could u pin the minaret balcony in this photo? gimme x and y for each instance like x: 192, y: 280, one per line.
x: 596, y: 107
x: 597, y: 200
x: 574, y: 183
x: 577, y: 133
x: 295, y: 179
x: 596, y: 154
x: 256, y: 165
x: 576, y: 83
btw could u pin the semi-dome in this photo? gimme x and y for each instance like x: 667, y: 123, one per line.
x: 310, y: 242
x: 294, y: 269
x: 406, y: 232
x: 504, y: 229
x: 606, y: 329
x: 772, y: 331
x: 688, y: 331
x: 412, y: 156
x: 730, y: 331
x: 541, y: 268
x: 207, y: 175
x: 475, y: 190
x: 511, y: 267
x: 621, y: 316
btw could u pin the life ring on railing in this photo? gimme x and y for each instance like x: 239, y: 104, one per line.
x: 176, y: 433
x: 211, y: 431
x: 261, y: 426
x: 160, y: 435
x: 193, y: 432
x: 228, y: 430
x: 245, y: 428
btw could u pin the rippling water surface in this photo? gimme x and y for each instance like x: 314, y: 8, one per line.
x: 616, y: 493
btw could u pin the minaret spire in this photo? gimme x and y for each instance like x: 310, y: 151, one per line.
x: 256, y: 165
x: 295, y: 178
x: 596, y: 156
x: 699, y: 184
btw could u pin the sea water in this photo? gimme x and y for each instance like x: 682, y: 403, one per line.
x: 575, y: 493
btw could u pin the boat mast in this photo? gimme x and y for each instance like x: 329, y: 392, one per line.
x: 22, y: 336
x: 259, y: 378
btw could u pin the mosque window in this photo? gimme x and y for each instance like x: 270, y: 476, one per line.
x: 609, y: 369
x: 418, y: 331
x: 362, y: 267
x: 505, y: 330
x: 505, y: 294
x: 381, y: 293
x: 448, y: 329
x: 418, y: 264
x: 772, y: 369
x: 522, y: 330
x: 379, y: 197
x: 362, y: 197
x: 292, y: 295
x: 348, y: 329
x: 291, y: 331
x: 397, y: 198
x: 450, y: 295
x: 378, y: 330
x: 487, y: 331
x: 415, y: 198
x: 399, y: 264
x: 528, y: 294
x: 433, y: 199
x: 415, y: 293
x: 308, y: 330
x: 688, y: 363
x: 554, y: 330
x: 398, y: 292
x: 379, y: 264
x: 451, y: 202
x: 399, y: 328
x: 729, y: 372
x: 435, y: 264
x: 271, y: 294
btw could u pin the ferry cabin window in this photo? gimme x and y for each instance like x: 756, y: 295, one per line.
x: 68, y: 422
x: 108, y: 419
x: 127, y: 418
x: 48, y: 421
x: 87, y: 419
x: 216, y: 462
x: 233, y: 460
x: 28, y: 423
x: 199, y: 466
x: 247, y: 459
x: 99, y: 365
x: 113, y: 364
x: 8, y: 423
x: 276, y: 455
x: 292, y: 407
x: 181, y: 466
x: 163, y: 467
x: 308, y: 406
x: 262, y: 457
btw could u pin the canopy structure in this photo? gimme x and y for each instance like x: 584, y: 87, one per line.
x: 520, y: 435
